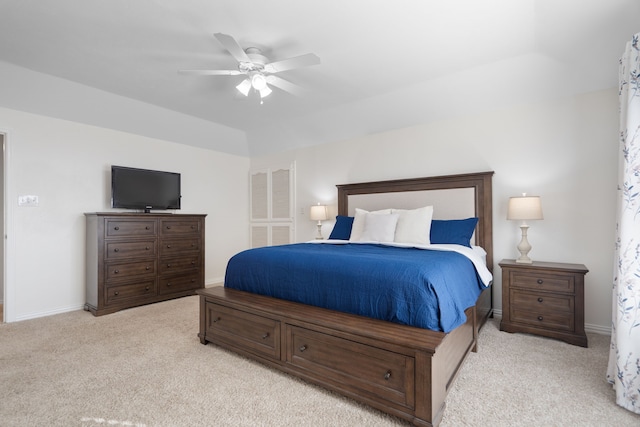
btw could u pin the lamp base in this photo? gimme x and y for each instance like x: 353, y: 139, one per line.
x: 524, y: 247
x: 319, y: 235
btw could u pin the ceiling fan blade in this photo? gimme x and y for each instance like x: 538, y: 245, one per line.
x: 295, y: 62
x: 233, y: 47
x: 211, y: 72
x: 285, y: 85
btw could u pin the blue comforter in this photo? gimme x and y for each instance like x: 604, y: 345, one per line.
x: 423, y: 288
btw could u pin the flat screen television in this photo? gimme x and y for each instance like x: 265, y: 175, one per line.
x: 144, y: 189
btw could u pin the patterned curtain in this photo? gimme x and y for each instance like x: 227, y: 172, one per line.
x: 624, y: 357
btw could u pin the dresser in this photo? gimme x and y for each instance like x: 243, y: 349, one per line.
x: 135, y: 259
x: 544, y: 298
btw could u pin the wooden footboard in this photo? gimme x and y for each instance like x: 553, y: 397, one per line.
x: 398, y: 369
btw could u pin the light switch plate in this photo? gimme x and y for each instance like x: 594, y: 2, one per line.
x: 27, y: 200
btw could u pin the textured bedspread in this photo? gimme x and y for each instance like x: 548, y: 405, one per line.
x: 418, y: 287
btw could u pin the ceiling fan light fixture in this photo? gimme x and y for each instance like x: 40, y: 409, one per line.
x: 258, y: 81
x: 244, y: 87
x: 265, y: 91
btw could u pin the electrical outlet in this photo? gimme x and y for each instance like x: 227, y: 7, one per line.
x: 27, y: 200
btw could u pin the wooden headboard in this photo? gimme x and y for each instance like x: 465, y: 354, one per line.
x: 479, y: 184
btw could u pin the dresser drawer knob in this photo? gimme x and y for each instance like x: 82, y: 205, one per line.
x: 147, y: 268
x: 116, y: 250
x: 116, y: 293
x: 540, y: 281
x: 540, y: 300
x: 302, y: 348
x: 116, y: 228
x: 168, y: 265
x: 116, y: 272
x: 540, y: 318
x: 216, y: 320
x: 168, y: 284
x: 169, y: 246
x: 147, y: 227
x: 265, y: 335
x: 147, y: 248
x: 146, y: 288
x: 387, y: 375
x: 168, y: 227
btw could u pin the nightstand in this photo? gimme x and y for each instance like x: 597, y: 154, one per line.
x: 544, y: 298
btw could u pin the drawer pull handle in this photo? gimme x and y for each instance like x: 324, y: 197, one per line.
x: 116, y: 293
x: 116, y: 250
x: 146, y: 248
x: 216, y: 320
x: 303, y: 348
x: 116, y: 272
x: 168, y: 227
x: 147, y: 227
x: 169, y: 246
x: 146, y: 288
x: 116, y: 228
x: 387, y: 375
x: 147, y: 268
x: 168, y: 265
x: 265, y: 335
x: 540, y: 318
x: 168, y: 284
x: 540, y: 281
x: 540, y: 300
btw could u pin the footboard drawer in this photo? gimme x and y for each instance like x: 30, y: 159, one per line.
x: 379, y: 374
x: 256, y: 334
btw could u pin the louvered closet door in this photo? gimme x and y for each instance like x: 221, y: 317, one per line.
x: 271, y: 210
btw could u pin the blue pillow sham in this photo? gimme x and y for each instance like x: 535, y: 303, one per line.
x: 453, y: 231
x: 342, y: 229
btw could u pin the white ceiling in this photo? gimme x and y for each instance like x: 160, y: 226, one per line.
x: 384, y: 64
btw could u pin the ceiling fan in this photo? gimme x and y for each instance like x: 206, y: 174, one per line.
x: 259, y: 72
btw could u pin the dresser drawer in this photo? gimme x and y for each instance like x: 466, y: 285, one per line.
x: 137, y: 290
x: 184, y: 282
x: 256, y: 334
x: 124, y: 270
x: 553, y: 282
x: 379, y: 374
x: 539, y: 319
x: 130, y: 249
x: 170, y: 247
x: 174, y: 265
x: 172, y: 227
x: 128, y: 228
x: 542, y: 302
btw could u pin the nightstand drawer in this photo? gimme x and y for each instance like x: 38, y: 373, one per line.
x: 542, y: 302
x: 549, y: 320
x: 553, y: 282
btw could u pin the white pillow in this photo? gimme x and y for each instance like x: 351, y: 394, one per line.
x: 358, y: 222
x: 414, y: 225
x: 379, y: 228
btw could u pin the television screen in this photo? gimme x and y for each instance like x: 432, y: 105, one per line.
x: 144, y: 189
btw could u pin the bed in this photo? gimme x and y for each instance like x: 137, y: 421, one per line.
x: 391, y: 364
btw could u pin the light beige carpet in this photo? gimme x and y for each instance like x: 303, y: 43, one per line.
x: 146, y: 367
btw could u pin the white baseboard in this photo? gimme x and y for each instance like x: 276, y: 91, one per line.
x: 219, y: 281
x: 47, y: 313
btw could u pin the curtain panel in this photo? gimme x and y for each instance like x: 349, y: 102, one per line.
x: 623, y: 371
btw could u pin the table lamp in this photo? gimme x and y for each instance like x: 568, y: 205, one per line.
x: 319, y: 213
x: 524, y: 208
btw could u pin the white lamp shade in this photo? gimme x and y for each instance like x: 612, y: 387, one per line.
x: 318, y: 213
x: 524, y: 208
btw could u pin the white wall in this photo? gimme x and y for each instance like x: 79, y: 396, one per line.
x: 563, y: 150
x: 67, y: 165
